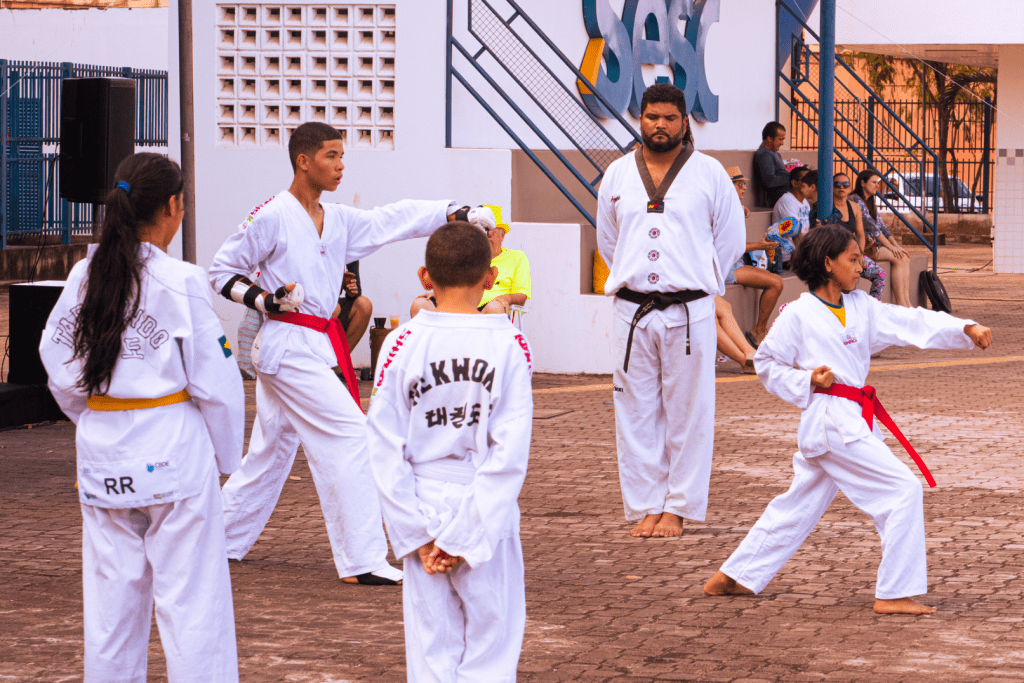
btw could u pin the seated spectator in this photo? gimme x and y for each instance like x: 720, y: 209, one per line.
x: 353, y: 309
x: 769, y: 171
x: 744, y: 272
x: 512, y: 288
x: 809, y: 189
x: 848, y: 216
x: 884, y: 248
x: 794, y: 203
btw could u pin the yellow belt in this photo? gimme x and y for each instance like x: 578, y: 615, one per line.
x: 104, y: 402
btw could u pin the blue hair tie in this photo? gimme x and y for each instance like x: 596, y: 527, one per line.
x: 125, y: 186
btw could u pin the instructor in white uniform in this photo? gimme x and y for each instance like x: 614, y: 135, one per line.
x: 669, y: 224
x: 301, y: 246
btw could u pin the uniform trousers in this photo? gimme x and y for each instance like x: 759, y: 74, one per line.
x: 251, y: 494
x: 466, y: 626
x: 172, y: 555
x: 665, y: 417
x: 305, y: 401
x: 876, y: 482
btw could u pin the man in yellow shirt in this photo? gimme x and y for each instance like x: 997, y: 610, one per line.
x: 512, y: 288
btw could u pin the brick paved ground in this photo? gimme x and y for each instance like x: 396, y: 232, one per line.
x: 602, y: 606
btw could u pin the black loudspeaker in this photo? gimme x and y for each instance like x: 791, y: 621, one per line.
x: 29, y: 306
x: 97, y: 132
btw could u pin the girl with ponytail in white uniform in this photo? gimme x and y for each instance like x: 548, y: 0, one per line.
x: 138, y: 360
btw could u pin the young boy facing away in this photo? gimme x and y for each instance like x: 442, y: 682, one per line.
x: 449, y: 438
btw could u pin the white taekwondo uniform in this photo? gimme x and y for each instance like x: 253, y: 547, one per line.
x: 297, y: 392
x: 449, y: 425
x: 665, y: 403
x: 153, y: 524
x: 837, y: 450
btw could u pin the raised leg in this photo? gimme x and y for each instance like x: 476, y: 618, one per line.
x: 749, y: 276
x: 730, y: 338
x: 358, y: 320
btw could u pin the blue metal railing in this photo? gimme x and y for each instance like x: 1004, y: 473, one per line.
x: 30, y: 202
x: 798, y: 90
x: 535, y: 78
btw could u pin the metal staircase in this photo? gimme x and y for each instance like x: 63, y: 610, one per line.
x: 525, y: 68
x: 864, y: 137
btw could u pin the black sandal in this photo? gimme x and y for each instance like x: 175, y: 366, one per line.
x: 371, y: 579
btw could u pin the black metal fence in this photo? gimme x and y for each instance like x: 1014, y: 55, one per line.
x: 970, y: 162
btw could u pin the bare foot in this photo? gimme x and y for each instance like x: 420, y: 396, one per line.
x: 720, y: 584
x: 668, y: 525
x: 902, y: 606
x: 646, y: 527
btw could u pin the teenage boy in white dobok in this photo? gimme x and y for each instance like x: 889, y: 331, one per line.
x: 449, y: 423
x: 817, y: 356
x: 301, y: 246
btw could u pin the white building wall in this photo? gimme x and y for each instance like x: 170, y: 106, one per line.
x: 920, y: 22
x: 739, y: 65
x: 111, y: 37
x: 1008, y: 212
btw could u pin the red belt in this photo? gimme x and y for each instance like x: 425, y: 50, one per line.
x: 871, y: 406
x: 336, y: 333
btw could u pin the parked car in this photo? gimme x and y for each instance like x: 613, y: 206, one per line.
x: 909, y: 185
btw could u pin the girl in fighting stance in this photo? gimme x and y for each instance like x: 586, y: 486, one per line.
x: 817, y: 356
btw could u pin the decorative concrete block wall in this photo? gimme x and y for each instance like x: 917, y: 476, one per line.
x: 282, y: 65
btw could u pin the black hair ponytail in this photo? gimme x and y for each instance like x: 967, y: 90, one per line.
x: 115, y: 272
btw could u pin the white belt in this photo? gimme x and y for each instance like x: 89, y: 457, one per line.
x: 446, y: 469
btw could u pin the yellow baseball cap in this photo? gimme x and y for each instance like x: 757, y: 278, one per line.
x: 496, y: 210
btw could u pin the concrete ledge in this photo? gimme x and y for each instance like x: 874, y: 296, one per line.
x: 47, y: 262
x: 963, y: 228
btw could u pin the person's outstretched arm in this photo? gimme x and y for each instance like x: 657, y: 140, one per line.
x: 369, y: 230
x: 923, y: 328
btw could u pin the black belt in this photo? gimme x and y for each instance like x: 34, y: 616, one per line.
x: 657, y: 300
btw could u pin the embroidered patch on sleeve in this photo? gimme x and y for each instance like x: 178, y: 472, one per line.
x: 225, y: 347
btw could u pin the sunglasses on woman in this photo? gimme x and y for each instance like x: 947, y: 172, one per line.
x: 840, y: 183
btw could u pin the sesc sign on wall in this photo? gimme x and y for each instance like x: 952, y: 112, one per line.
x: 647, y: 33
